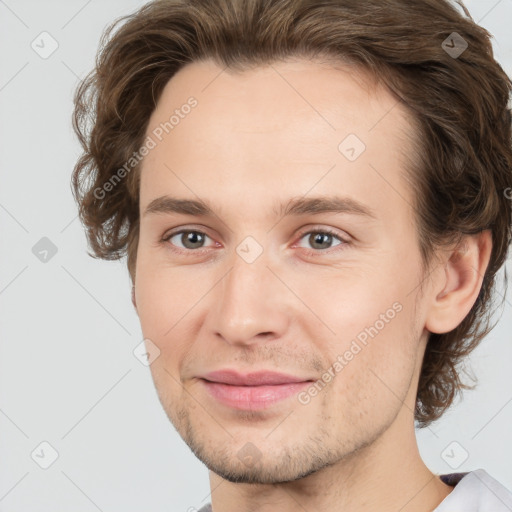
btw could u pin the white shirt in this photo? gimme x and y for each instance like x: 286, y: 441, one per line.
x: 475, y: 491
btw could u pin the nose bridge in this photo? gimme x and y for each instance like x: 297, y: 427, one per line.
x: 249, y: 301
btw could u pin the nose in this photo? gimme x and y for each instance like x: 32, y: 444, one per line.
x: 250, y: 304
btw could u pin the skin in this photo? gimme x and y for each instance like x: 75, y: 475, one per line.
x: 257, y: 139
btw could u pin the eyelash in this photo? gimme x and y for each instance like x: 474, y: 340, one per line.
x: 310, y: 252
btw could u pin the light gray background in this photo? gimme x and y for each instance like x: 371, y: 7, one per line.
x: 68, y: 328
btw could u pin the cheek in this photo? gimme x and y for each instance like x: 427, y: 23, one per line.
x: 376, y: 367
x: 165, y: 302
x: 374, y: 349
x: 351, y: 303
x: 367, y: 300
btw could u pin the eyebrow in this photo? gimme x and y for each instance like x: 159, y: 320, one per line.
x: 295, y: 206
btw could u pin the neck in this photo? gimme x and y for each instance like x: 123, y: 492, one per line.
x: 387, y: 475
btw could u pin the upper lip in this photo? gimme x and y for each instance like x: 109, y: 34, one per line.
x: 251, y: 379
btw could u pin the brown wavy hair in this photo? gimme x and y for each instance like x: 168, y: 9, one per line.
x: 462, y: 165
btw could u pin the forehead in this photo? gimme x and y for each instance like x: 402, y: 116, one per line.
x: 284, y: 124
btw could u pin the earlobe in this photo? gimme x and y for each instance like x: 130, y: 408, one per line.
x: 459, y: 288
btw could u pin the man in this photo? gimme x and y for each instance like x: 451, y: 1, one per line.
x: 312, y: 198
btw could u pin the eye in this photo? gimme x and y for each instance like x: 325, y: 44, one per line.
x: 189, y: 239
x: 322, y: 239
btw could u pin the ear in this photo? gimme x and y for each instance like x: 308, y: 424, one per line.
x: 457, y: 290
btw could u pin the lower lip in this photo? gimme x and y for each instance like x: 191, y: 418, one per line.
x: 252, y: 397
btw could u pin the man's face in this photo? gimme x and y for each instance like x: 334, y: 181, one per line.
x: 306, y: 294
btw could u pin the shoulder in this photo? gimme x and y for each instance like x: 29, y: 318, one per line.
x: 475, y: 491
